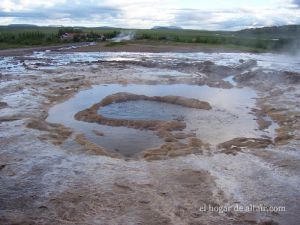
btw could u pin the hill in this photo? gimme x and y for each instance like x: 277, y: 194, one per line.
x: 166, y: 28
x: 258, y: 39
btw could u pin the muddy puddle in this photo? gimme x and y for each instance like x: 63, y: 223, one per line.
x: 229, y: 117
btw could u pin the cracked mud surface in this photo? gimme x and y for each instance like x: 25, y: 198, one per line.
x: 53, y: 174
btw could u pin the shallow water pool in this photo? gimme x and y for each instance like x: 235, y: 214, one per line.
x: 229, y: 118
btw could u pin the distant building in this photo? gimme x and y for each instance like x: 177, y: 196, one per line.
x: 67, y: 36
x: 70, y: 36
x: 81, y: 36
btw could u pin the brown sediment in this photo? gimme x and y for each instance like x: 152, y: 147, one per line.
x: 93, y: 117
x: 182, y: 135
x: 265, y: 81
x: 237, y: 144
x: 283, y: 136
x: 57, y: 133
x: 177, y: 100
x: 218, y: 84
x: 173, y: 136
x: 91, y: 114
x: 263, y: 124
x: 68, y: 79
x: 169, y: 150
x: 173, y: 196
x: 246, y: 65
x: 92, y: 148
x: 65, y: 87
x: 286, y: 120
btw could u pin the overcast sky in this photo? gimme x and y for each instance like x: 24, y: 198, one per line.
x: 195, y: 14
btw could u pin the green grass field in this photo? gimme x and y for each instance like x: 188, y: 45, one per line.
x: 259, y: 40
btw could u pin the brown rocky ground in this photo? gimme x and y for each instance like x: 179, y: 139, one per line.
x: 43, y: 182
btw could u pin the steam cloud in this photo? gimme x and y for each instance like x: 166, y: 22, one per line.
x: 124, y: 36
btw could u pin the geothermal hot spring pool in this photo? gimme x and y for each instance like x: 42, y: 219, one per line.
x: 144, y: 110
x: 230, y: 116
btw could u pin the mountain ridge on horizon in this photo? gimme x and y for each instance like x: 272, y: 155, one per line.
x: 269, y: 28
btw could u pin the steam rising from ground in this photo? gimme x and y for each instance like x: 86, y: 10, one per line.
x: 124, y: 36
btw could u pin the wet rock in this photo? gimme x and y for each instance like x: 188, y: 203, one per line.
x: 219, y: 84
x: 68, y: 79
x: 195, y: 142
x: 91, y: 114
x: 2, y: 166
x: 92, y: 148
x: 57, y: 133
x: 244, y: 77
x: 3, y: 105
x: 177, y: 100
x: 181, y: 135
x: 264, y: 80
x: 237, y: 144
x: 169, y: 150
x: 283, y: 138
x: 9, y: 118
x: 263, y: 124
x: 170, y: 139
x: 292, y: 77
x: 38, y: 125
x: 98, y: 133
x: 246, y: 65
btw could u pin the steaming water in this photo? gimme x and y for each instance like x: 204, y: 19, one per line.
x: 143, y: 110
x: 13, y: 65
x: 230, y: 80
x: 124, y: 36
x: 228, y: 119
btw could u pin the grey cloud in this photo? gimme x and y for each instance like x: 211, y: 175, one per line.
x: 87, y: 12
x: 67, y: 10
x: 22, y: 14
x: 241, y: 22
x: 297, y: 2
x: 233, y: 19
x: 201, y: 19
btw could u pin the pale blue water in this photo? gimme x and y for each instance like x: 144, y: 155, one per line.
x: 143, y: 110
x: 228, y: 118
x: 57, y: 59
